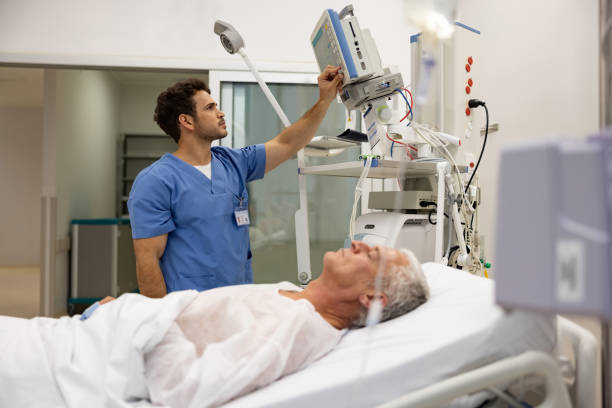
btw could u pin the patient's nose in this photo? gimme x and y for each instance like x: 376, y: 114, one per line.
x: 358, y: 246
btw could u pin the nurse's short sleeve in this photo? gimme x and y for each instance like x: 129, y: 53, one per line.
x: 150, y: 207
x: 255, y: 157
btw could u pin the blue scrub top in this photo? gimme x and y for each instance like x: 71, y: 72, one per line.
x: 206, y: 248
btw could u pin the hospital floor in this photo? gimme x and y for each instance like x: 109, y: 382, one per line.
x: 19, y: 291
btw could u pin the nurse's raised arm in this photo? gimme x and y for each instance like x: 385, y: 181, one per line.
x: 296, y: 136
x: 148, y: 252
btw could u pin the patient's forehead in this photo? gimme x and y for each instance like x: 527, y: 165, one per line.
x: 394, y: 256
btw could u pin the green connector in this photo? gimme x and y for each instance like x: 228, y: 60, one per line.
x: 373, y: 156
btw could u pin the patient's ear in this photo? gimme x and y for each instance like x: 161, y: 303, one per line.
x: 366, y: 298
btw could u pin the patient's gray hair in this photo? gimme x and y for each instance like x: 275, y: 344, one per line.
x: 405, y: 287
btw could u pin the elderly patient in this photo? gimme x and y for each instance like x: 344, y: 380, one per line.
x: 231, y: 340
x: 193, y: 349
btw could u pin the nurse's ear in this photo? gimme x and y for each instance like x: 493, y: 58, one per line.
x: 186, y: 120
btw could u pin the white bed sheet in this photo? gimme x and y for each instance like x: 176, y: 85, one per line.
x: 459, y: 328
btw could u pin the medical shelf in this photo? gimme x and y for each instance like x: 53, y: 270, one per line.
x: 330, y: 142
x: 134, y: 153
x: 382, y: 169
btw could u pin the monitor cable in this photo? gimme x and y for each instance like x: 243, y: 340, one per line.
x: 474, y: 103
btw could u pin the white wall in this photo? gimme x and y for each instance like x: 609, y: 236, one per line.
x: 20, y: 184
x: 138, y: 94
x: 166, y: 33
x: 539, y: 74
x: 81, y: 123
x: 21, y: 87
x: 87, y: 130
x: 137, y: 107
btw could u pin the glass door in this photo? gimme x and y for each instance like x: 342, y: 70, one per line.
x: 274, y: 200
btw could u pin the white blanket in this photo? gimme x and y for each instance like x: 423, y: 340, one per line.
x: 99, y: 362
x: 232, y: 340
x: 187, y: 349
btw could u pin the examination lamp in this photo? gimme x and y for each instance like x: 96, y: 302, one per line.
x: 230, y: 38
x: 233, y: 43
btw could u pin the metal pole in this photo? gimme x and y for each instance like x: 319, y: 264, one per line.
x: 442, y: 169
x: 605, y: 63
x: 606, y: 365
x: 605, y: 120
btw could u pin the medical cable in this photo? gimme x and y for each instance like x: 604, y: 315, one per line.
x: 464, y: 208
x: 472, y: 220
x: 429, y: 136
x: 409, y: 107
x: 358, y: 189
x: 407, y: 146
x: 409, y: 93
x: 474, y: 103
x: 433, y: 140
x: 429, y: 204
x: 399, y: 90
x: 449, y: 239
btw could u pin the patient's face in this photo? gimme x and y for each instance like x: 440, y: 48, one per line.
x: 361, y: 261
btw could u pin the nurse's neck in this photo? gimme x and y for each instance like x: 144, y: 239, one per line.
x: 193, y: 151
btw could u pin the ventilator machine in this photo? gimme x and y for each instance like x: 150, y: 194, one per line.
x: 416, y: 172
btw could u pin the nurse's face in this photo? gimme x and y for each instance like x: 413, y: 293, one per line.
x: 209, y: 122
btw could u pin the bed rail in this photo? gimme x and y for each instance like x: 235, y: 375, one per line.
x: 585, y: 347
x: 502, y: 371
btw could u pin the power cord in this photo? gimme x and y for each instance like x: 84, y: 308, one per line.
x: 424, y: 203
x: 474, y: 103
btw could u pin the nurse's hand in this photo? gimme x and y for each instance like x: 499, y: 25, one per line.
x: 330, y: 83
x: 106, y: 300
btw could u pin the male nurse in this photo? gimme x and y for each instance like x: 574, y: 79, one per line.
x: 189, y: 209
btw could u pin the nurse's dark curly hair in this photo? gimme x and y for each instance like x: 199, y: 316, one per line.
x: 174, y: 101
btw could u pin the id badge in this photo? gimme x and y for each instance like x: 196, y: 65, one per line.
x: 242, y: 217
x: 242, y: 214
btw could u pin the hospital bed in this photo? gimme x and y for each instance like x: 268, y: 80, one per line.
x: 456, y: 344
